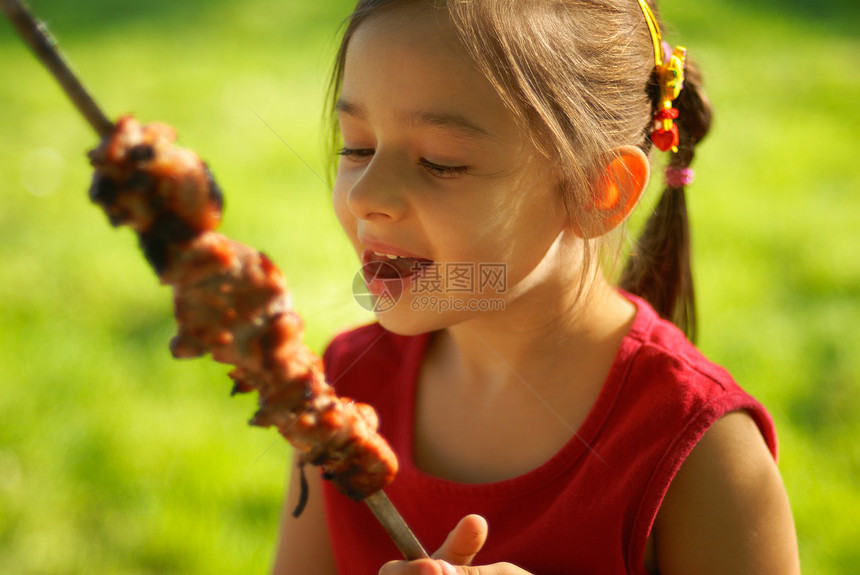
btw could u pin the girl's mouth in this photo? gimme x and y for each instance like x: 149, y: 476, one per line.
x: 386, y: 274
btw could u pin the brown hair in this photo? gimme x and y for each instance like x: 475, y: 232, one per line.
x: 659, y: 267
x: 578, y: 75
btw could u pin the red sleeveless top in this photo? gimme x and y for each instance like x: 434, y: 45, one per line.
x: 589, y: 509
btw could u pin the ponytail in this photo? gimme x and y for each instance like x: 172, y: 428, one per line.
x: 658, y: 269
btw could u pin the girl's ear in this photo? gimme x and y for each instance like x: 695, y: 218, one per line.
x: 618, y: 191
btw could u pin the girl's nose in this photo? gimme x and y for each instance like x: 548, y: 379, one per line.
x: 378, y: 194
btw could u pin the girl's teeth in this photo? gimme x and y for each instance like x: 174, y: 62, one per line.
x: 389, y: 256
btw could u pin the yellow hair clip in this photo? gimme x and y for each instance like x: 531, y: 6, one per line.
x: 670, y: 77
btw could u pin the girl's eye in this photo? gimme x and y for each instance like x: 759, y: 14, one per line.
x: 444, y: 171
x: 361, y: 155
x: 356, y: 154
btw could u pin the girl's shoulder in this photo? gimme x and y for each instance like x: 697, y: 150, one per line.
x: 665, y: 348
x: 658, y: 370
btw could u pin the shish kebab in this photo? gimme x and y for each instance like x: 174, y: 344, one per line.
x: 229, y: 299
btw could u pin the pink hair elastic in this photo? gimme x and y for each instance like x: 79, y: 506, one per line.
x: 679, y: 177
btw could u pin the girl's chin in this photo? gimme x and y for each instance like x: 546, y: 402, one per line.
x: 403, y: 321
x: 408, y: 317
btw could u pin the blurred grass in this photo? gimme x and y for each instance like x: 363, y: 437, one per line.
x: 114, y: 458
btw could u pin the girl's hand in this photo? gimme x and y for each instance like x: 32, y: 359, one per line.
x: 459, y: 548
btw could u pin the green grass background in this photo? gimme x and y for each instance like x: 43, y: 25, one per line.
x: 114, y: 458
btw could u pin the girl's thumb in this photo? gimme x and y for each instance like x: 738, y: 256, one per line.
x: 463, y: 542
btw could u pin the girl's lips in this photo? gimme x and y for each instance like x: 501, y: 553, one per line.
x: 386, y: 276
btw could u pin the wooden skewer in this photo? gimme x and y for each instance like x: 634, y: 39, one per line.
x: 395, y: 526
x: 35, y: 33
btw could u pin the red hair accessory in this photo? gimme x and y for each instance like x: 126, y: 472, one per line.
x: 670, y: 78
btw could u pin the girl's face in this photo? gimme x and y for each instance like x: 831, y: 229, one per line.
x: 435, y: 170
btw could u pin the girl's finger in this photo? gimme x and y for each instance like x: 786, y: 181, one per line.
x: 464, y: 541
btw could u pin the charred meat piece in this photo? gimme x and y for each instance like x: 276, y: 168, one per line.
x: 232, y: 302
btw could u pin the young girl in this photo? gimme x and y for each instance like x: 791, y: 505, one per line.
x: 546, y: 421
